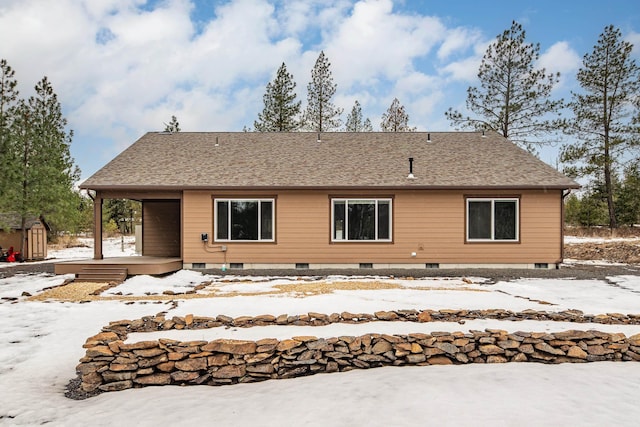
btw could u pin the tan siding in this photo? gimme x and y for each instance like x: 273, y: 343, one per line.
x: 430, y: 223
x: 161, y: 229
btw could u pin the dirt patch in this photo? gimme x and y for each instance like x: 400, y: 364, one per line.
x: 619, y: 252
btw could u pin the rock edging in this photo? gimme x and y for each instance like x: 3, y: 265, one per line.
x: 110, y: 364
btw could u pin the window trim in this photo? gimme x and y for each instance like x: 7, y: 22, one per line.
x: 346, y: 201
x: 493, y: 200
x: 259, y: 200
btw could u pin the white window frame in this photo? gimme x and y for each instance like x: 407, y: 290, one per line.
x: 346, y: 219
x: 259, y: 201
x: 493, y: 200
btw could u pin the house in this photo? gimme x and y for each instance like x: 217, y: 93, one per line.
x: 35, y: 244
x: 332, y: 200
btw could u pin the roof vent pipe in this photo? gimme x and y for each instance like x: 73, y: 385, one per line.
x: 483, y: 135
x: 319, y: 140
x: 428, y: 137
x: 217, y: 142
x: 411, y: 176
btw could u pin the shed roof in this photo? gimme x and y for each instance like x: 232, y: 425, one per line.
x: 13, y: 221
x: 253, y: 160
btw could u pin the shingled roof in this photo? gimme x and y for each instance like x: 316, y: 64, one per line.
x: 254, y: 160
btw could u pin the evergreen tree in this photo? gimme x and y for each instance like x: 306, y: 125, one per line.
x: 173, y: 125
x: 602, y: 122
x: 514, y: 97
x: 8, y: 99
x: 321, y: 114
x: 628, y: 196
x: 123, y: 212
x: 44, y: 170
x: 281, y: 110
x: 354, y: 120
x: 396, y: 119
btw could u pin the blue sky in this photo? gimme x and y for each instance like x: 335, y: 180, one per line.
x: 123, y: 67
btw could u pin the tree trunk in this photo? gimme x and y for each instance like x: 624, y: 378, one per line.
x: 608, y: 186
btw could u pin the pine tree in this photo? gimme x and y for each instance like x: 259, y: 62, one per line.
x: 628, y: 196
x: 321, y: 114
x: 396, y: 119
x: 602, y: 123
x: 514, y: 98
x: 281, y: 110
x: 8, y: 99
x: 354, y: 120
x: 44, y: 170
x: 173, y: 125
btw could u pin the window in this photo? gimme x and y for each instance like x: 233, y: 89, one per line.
x: 492, y: 219
x: 244, y: 220
x: 356, y: 220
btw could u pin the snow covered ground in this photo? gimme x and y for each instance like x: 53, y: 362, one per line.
x: 41, y: 343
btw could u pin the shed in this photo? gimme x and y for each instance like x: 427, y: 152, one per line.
x: 35, y: 245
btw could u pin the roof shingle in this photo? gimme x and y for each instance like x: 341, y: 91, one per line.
x: 189, y: 160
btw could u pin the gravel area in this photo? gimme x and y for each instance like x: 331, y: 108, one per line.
x: 568, y: 271
x: 577, y: 271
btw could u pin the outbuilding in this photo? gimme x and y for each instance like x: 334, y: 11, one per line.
x: 35, y: 244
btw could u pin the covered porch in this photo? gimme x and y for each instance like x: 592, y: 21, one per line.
x: 161, y: 239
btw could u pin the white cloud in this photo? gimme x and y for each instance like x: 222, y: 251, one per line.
x: 560, y: 57
x: 634, y: 39
x: 374, y: 42
x: 458, y: 39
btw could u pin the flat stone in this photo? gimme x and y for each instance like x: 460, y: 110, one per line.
x: 146, y: 363
x: 154, y: 379
x: 103, y: 337
x: 116, y: 367
x: 180, y: 376
x: 543, y: 346
x: 285, y: 345
x: 141, y: 345
x: 576, y: 352
x: 174, y: 355
x: 520, y: 357
x: 634, y: 340
x: 369, y: 358
x: 149, y: 352
x: 417, y: 358
x: 424, y: 316
x: 116, y: 386
x: 440, y: 360
x: 382, y: 346
x: 490, y: 349
x: 230, y: 346
x: 196, y: 364
x: 496, y: 359
x: 229, y: 371
x: 166, y: 366
x: 256, y: 358
x: 99, y: 351
x: 85, y: 368
x: 110, y: 376
x: 447, y: 347
x: 508, y: 344
x: 264, y: 368
x: 386, y: 315
x: 218, y: 359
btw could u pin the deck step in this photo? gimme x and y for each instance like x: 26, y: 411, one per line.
x: 102, y: 274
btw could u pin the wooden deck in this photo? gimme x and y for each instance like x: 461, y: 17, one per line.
x: 134, y: 265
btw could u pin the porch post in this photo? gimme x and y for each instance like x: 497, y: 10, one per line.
x: 97, y: 226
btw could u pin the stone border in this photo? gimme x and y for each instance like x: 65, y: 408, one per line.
x: 111, y: 365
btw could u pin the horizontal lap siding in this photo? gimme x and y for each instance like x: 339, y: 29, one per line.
x: 429, y: 223
x: 161, y: 229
